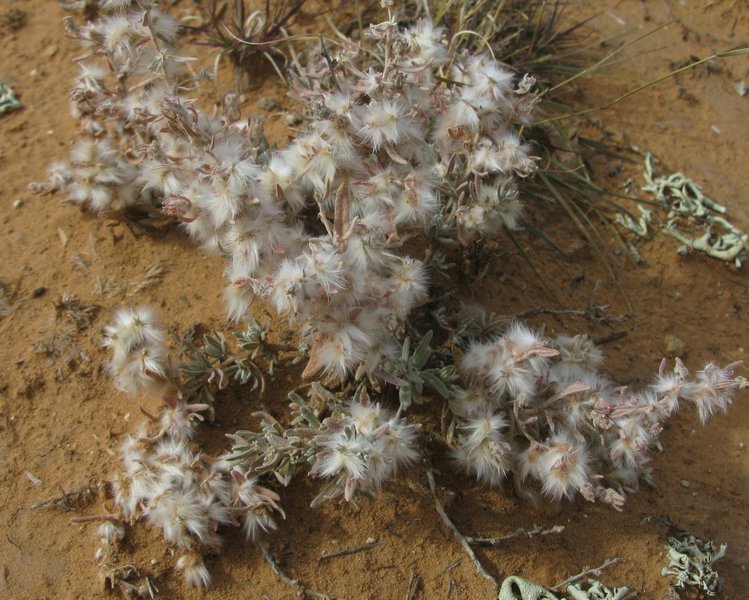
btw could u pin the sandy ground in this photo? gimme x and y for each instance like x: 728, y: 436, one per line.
x: 61, y: 420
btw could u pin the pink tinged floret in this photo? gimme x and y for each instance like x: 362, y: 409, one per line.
x: 194, y: 570
x: 343, y: 454
x: 483, y: 450
x: 386, y: 123
x: 181, y: 516
x: 564, y: 467
x: 529, y: 461
x: 399, y: 443
x: 714, y: 388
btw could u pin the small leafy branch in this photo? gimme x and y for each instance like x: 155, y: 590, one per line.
x: 211, y: 367
x: 409, y: 373
x: 519, y: 407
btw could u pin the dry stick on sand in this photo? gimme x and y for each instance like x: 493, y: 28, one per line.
x: 97, y: 518
x: 518, y: 533
x: 454, y: 530
x: 594, y: 571
x: 593, y: 313
x: 348, y: 551
x: 413, y: 585
x: 62, y: 502
x: 291, y: 581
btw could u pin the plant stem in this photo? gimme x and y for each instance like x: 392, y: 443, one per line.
x: 455, y: 531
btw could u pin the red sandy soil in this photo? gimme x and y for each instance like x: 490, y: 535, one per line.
x: 61, y: 424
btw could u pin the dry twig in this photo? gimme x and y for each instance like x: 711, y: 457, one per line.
x: 518, y: 533
x: 455, y: 531
x: 595, y: 571
x: 365, y: 548
x: 153, y: 275
x: 413, y: 585
x: 291, y: 581
x: 64, y: 501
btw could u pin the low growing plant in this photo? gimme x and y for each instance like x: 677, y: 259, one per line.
x: 408, y: 140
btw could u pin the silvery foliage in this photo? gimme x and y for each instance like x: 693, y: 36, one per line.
x: 401, y: 134
x: 352, y: 442
x: 540, y: 411
x: 404, y: 138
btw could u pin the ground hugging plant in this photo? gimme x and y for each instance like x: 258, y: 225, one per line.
x: 407, y: 140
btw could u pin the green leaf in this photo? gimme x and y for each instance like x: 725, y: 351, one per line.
x: 406, y: 350
x: 447, y: 373
x: 432, y: 378
x: 417, y: 388
x: 405, y: 396
x: 423, y: 351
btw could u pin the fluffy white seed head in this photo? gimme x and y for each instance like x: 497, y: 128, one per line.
x: 429, y: 43
x: 471, y: 401
x: 365, y: 447
x: 179, y: 514
x: 132, y: 328
x: 110, y: 533
x: 408, y: 286
x: 633, y: 441
x: 483, y: 450
x: 713, y: 390
x: 140, y: 360
x: 384, y: 121
x: 564, y: 466
x: 398, y: 444
x: 344, y: 452
x: 528, y: 461
x: 578, y: 358
x: 194, y: 570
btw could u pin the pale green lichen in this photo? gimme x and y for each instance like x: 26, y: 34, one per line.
x: 691, y: 563
x: 8, y: 100
x: 517, y: 588
x: 683, y: 200
x: 597, y: 591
